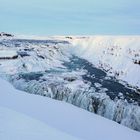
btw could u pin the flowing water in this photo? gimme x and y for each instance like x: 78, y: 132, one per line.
x: 114, y: 88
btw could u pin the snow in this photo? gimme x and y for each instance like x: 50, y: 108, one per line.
x: 17, y: 126
x: 115, y: 54
x: 52, y: 55
x: 7, y: 53
x: 27, y: 116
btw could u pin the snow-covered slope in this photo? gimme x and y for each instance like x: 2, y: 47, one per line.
x: 18, y: 126
x: 118, y: 55
x: 43, y: 113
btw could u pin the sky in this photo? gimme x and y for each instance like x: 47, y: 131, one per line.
x: 70, y: 17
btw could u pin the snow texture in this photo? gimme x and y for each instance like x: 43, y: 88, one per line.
x: 18, y: 126
x: 118, y: 55
x: 29, y: 116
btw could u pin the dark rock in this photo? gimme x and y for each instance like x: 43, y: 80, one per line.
x: 6, y: 34
x: 70, y: 79
x: 68, y: 37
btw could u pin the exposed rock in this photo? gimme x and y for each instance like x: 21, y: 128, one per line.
x: 70, y: 79
x: 2, y: 34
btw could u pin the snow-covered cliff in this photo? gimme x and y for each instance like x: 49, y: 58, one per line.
x: 118, y: 55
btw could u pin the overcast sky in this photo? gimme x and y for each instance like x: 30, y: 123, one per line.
x: 75, y: 17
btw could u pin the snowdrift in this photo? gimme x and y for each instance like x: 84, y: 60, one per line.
x: 35, y: 111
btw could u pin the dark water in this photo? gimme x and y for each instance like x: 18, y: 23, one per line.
x: 95, y: 75
x: 30, y: 76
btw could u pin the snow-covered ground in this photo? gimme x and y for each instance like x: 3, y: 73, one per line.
x: 32, y: 55
x: 53, y: 67
x: 18, y: 126
x: 8, y: 54
x: 118, y: 55
x: 27, y: 116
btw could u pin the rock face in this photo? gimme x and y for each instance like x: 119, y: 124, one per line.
x: 50, y: 68
x: 2, y: 34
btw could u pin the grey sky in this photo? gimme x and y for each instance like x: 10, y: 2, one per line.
x: 59, y: 17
